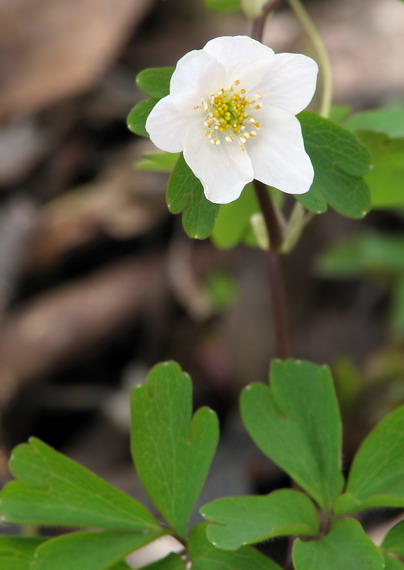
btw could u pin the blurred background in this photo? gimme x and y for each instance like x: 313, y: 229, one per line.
x: 98, y: 281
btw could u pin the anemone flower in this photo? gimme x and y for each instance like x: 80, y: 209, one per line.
x: 231, y: 111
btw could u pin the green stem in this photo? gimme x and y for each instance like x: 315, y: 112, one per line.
x: 322, y: 55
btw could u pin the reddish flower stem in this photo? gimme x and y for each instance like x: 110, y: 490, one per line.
x: 277, y: 290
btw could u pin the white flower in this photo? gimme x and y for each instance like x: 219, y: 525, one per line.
x: 231, y: 110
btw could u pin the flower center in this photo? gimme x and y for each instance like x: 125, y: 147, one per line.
x: 227, y: 111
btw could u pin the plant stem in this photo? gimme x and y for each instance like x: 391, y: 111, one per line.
x: 259, y: 23
x: 277, y: 290
x: 322, y: 55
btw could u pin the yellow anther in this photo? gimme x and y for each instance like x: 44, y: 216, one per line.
x: 227, y: 110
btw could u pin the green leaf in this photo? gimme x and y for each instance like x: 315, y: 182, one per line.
x: 346, y: 546
x: 18, y: 553
x: 185, y: 194
x: 340, y: 161
x: 339, y: 112
x: 236, y: 521
x: 137, y: 117
x: 223, y: 5
x: 170, y: 562
x: 387, y: 121
x: 368, y: 253
x: 233, y: 221
x: 386, y: 179
x: 155, y: 81
x: 221, y: 290
x: 172, y: 451
x: 394, y: 540
x: 119, y: 566
x: 158, y: 161
x: 392, y: 563
x: 53, y: 489
x: 299, y: 411
x: 376, y: 478
x: 87, y: 550
x: 205, y: 556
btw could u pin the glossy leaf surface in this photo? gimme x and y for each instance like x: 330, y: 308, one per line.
x: 298, y: 411
x: 376, y: 478
x: 236, y: 521
x: 53, y: 489
x: 185, y: 194
x: 171, y: 449
x: 345, y: 547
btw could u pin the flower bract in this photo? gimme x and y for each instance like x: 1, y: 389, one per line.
x: 231, y: 111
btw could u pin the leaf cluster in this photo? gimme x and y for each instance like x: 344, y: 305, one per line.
x: 294, y: 420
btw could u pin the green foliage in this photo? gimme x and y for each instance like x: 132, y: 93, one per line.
x: 88, y: 550
x: 155, y: 81
x: 170, y: 562
x: 233, y: 222
x: 387, y: 121
x: 340, y: 161
x: 346, y: 546
x: 223, y: 5
x: 17, y: 553
x: 185, y: 194
x: 392, y: 563
x: 295, y: 422
x: 386, y: 179
x: 300, y: 412
x: 394, y: 540
x: 137, y: 117
x: 236, y: 521
x: 53, y: 489
x: 206, y: 557
x: 172, y: 451
x: 157, y: 161
x: 376, y: 478
x: 221, y: 290
x: 368, y: 253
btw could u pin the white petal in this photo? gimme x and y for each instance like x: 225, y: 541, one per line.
x: 197, y: 74
x: 242, y: 57
x: 166, y: 126
x: 290, y: 82
x: 278, y: 155
x: 223, y: 169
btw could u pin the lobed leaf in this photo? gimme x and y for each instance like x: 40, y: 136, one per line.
x: 346, y: 546
x: 88, y: 550
x: 299, y: 411
x: 18, y: 553
x: 155, y: 81
x: 171, y: 449
x: 376, y: 478
x: 340, y: 161
x: 53, y: 489
x: 137, y: 117
x: 236, y: 521
x: 205, y: 556
x: 185, y: 194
